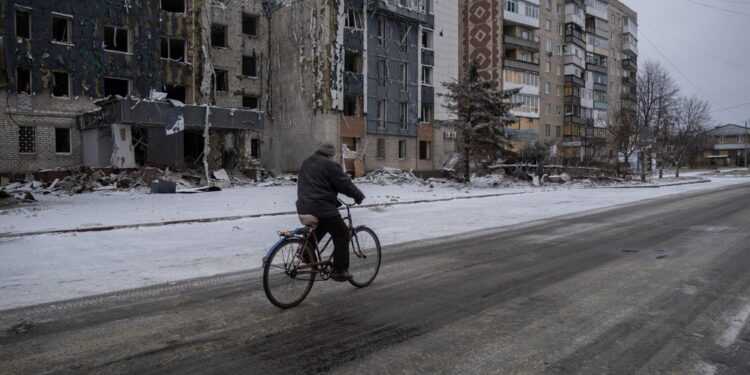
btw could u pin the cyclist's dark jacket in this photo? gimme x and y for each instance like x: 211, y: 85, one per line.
x: 320, y: 180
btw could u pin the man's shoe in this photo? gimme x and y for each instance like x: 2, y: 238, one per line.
x: 341, y: 276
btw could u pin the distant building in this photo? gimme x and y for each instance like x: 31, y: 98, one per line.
x: 728, y: 146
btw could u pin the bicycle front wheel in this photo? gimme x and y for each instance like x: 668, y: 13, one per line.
x: 286, y: 278
x: 364, y: 263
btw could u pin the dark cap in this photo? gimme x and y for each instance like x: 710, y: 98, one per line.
x: 326, y: 148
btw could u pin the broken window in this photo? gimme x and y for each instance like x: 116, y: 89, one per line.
x: 222, y: 80
x: 381, y: 114
x: 60, y: 84
x: 353, y: 19
x: 427, y: 112
x: 353, y: 62
x: 255, y: 148
x: 427, y: 39
x: 249, y: 101
x: 424, y: 150
x: 401, y: 149
x: 248, y: 66
x: 381, y: 31
x: 174, y: 6
x: 175, y: 92
x: 116, y: 86
x: 382, y: 72
x: 403, y: 37
x: 351, y: 105
x: 23, y: 80
x: 218, y: 35
x: 23, y: 23
x: 26, y: 140
x: 403, y: 114
x: 427, y: 75
x: 250, y: 24
x: 62, y: 29
x: 173, y: 49
x: 380, y: 148
x: 403, y: 74
x: 62, y: 140
x: 116, y: 39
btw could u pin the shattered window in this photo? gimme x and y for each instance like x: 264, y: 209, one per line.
x: 382, y: 72
x: 353, y: 62
x: 26, y: 140
x: 351, y: 105
x: 353, y: 19
x: 175, y: 92
x: 222, y: 80
x: 250, y: 102
x: 116, y: 39
x: 23, y: 80
x: 173, y: 49
x: 424, y: 150
x: 60, y: 84
x: 381, y: 31
x: 23, y: 23
x: 249, y: 24
x: 381, y: 114
x: 381, y: 148
x: 116, y: 86
x: 62, y: 140
x: 248, y: 66
x: 401, y: 149
x: 174, y: 6
x: 403, y: 76
x: 218, y: 35
x: 403, y: 114
x: 62, y: 29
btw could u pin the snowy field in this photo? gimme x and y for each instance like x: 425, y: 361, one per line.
x: 46, y: 268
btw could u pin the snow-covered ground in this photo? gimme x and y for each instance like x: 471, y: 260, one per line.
x: 45, y: 268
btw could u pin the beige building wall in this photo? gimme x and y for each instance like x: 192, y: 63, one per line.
x: 552, y: 73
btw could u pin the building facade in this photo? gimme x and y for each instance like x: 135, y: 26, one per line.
x: 574, y: 62
x: 728, y: 146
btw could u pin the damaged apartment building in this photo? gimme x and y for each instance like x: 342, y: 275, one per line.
x: 365, y: 74
x: 131, y: 83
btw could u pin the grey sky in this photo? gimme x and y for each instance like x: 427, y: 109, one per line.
x: 720, y: 67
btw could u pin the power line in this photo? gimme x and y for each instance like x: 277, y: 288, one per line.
x: 736, y: 2
x: 715, y: 56
x: 658, y: 50
x: 723, y: 9
x: 735, y: 106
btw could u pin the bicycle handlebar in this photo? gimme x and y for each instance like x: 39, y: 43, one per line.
x: 347, y: 204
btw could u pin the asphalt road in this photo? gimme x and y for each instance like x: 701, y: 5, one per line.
x: 660, y: 287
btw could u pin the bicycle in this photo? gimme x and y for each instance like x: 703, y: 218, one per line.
x: 293, y: 262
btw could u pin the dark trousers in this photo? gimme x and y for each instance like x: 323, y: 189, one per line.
x: 338, y: 230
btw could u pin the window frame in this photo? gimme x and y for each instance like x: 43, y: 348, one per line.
x: 30, y: 80
x: 127, y: 33
x: 225, y: 42
x: 32, y: 130
x: 70, y: 142
x: 255, y: 66
x: 29, y: 12
x: 130, y: 85
x: 169, y: 49
x: 69, y: 94
x: 251, y: 15
x: 402, y: 149
x: 70, y: 23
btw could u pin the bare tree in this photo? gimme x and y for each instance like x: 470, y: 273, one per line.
x: 692, y: 114
x: 483, y: 113
x: 624, y: 131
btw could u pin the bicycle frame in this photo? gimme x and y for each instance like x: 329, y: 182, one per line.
x: 308, y: 236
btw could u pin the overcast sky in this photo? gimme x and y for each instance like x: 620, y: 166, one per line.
x: 719, y: 65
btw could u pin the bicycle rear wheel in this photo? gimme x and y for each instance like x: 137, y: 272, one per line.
x: 364, y: 263
x: 286, y: 280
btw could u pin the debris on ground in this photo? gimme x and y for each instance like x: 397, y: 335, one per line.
x: 387, y: 176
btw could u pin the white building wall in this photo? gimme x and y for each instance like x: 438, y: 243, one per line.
x: 445, y: 43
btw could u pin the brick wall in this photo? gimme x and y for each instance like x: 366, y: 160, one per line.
x: 48, y: 114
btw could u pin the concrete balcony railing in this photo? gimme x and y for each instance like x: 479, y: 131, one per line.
x: 521, y: 65
x: 573, y: 59
x: 630, y: 28
x: 597, y: 8
x: 428, y: 57
x: 521, y: 19
x: 525, y: 89
x: 354, y: 83
x: 629, y: 64
x: 630, y: 46
x: 353, y: 39
x: 412, y: 14
x: 519, y: 42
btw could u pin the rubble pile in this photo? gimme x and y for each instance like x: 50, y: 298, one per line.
x: 78, y: 181
x: 388, y: 176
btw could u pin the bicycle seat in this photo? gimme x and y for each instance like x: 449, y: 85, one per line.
x: 309, y: 221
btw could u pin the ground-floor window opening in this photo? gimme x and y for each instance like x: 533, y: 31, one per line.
x: 62, y: 140
x: 26, y: 140
x: 425, y: 148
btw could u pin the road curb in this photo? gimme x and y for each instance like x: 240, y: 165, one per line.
x: 662, y: 185
x: 235, y: 217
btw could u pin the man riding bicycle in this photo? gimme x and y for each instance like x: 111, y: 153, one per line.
x: 319, y: 182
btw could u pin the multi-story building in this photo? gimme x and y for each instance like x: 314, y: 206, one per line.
x: 60, y: 58
x: 727, y: 145
x: 574, y: 62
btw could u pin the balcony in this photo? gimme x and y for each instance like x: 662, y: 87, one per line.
x: 525, y: 89
x: 597, y: 8
x: 428, y: 57
x: 522, y: 43
x: 630, y: 45
x: 353, y: 83
x: 601, y: 105
x: 395, y: 10
x: 600, y: 86
x: 630, y: 28
x: 574, y: 80
x: 353, y: 39
x: 520, y: 18
x: 572, y: 100
x: 629, y: 64
x: 428, y: 94
x: 576, y: 18
x: 596, y: 68
x: 627, y: 81
x: 575, y: 120
x: 521, y: 65
x: 573, y: 59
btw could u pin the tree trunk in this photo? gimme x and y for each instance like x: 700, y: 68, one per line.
x: 467, y: 147
x: 677, y: 171
x: 643, y: 166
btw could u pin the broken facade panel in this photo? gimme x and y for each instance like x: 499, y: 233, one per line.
x: 65, y: 55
